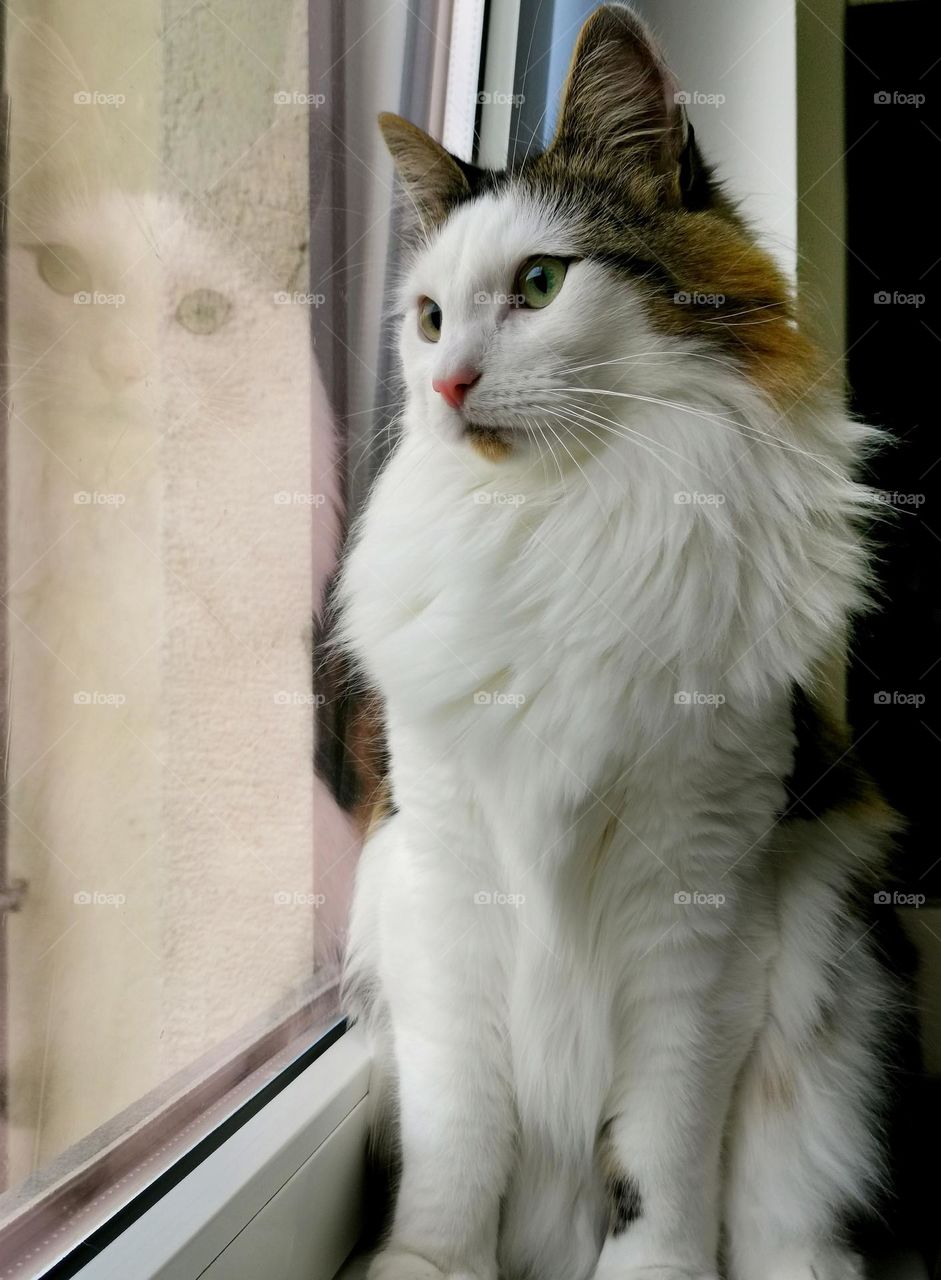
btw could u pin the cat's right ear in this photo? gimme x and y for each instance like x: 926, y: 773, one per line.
x: 433, y: 179
x: 620, y: 106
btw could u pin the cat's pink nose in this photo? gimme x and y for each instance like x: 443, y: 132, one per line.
x: 456, y: 386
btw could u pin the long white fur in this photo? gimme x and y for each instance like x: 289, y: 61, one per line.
x: 530, y: 624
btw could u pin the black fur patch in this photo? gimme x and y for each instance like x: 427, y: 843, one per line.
x: 626, y: 1203
x: 825, y: 774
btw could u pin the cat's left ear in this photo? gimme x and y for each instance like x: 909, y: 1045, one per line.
x: 434, y: 179
x: 620, y: 105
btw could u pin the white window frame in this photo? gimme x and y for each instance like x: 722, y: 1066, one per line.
x: 282, y: 1197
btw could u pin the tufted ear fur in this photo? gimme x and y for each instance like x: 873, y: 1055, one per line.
x: 620, y: 105
x: 433, y: 179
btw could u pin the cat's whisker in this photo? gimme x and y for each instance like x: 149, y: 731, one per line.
x: 746, y: 311
x: 552, y: 455
x: 643, y: 357
x: 578, y: 467
x: 643, y: 442
x: 747, y: 430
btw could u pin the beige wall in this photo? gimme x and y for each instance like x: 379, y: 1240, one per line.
x: 192, y: 801
x: 821, y: 212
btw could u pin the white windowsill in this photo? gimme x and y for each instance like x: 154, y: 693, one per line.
x: 280, y: 1198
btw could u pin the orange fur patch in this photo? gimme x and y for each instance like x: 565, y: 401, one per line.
x: 490, y: 444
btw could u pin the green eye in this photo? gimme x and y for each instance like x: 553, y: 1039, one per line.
x: 429, y: 318
x: 539, y: 280
x: 63, y: 269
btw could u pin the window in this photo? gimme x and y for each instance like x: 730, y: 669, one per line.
x: 197, y: 220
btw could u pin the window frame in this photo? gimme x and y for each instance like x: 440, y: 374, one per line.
x: 310, y: 1124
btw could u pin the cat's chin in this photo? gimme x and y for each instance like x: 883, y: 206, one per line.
x: 493, y: 443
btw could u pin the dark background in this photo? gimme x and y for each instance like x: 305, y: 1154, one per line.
x: 893, y: 171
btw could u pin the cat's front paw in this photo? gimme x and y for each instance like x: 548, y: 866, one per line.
x: 399, y: 1264
x: 394, y: 1264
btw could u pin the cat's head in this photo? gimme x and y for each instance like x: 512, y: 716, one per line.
x: 115, y: 296
x: 589, y: 279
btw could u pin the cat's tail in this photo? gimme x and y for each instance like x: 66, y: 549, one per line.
x: 804, y: 1146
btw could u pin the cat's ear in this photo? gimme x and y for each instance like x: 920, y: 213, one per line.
x: 620, y: 103
x: 433, y: 179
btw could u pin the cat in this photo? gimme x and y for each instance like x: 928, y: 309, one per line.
x: 607, y: 935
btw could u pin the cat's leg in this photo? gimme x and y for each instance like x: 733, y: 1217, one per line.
x: 552, y: 1215
x: 442, y: 985
x: 660, y: 1144
x: 802, y: 1145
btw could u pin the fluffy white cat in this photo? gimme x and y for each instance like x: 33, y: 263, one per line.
x: 606, y: 935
